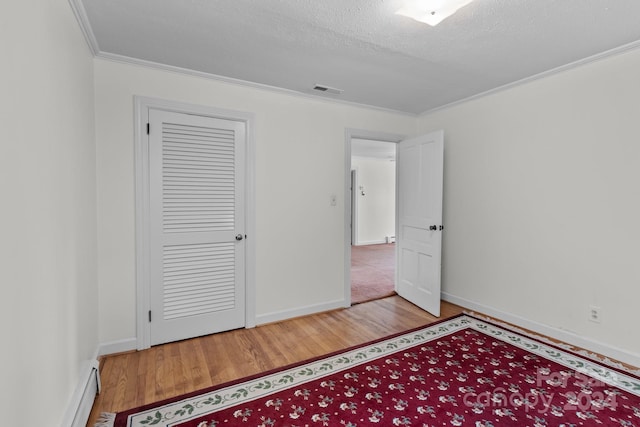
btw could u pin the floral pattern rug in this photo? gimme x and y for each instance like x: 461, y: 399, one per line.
x: 460, y: 372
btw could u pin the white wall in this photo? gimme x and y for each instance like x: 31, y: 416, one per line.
x: 376, y: 212
x: 299, y: 241
x: 48, y: 309
x: 542, y: 200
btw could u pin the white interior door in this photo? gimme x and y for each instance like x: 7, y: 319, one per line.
x: 197, y: 225
x: 419, y: 223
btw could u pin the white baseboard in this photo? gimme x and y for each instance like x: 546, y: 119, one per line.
x: 79, y: 409
x: 549, y: 331
x: 130, y: 344
x: 277, y: 316
x: 119, y: 346
x: 371, y: 242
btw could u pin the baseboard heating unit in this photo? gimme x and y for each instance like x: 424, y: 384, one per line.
x: 82, y: 400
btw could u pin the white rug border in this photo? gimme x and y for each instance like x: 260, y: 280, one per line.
x: 597, y: 358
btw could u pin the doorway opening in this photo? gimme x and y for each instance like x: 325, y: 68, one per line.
x: 180, y: 242
x: 418, y: 222
x: 373, y: 219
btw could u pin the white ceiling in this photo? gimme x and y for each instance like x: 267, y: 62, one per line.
x: 373, y: 149
x: 360, y: 46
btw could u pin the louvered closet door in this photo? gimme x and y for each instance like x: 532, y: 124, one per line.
x: 197, y: 279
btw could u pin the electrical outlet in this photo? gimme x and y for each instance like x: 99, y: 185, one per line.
x: 595, y: 314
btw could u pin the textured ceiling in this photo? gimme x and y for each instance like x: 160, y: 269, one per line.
x: 360, y: 46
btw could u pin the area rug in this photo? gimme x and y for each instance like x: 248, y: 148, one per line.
x: 462, y: 371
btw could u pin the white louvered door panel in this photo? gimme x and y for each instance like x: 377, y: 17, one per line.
x: 196, y: 168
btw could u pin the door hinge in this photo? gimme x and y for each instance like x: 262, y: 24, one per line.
x: 149, y: 315
x: 148, y: 128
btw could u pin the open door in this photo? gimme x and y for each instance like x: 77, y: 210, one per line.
x: 419, y: 222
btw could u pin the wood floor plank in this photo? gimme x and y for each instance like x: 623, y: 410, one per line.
x: 138, y: 378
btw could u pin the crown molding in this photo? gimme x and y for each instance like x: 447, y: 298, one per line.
x: 570, y: 66
x: 85, y: 26
x: 230, y: 80
x: 83, y: 20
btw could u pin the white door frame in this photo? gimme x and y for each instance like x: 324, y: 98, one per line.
x: 141, y: 155
x: 349, y: 135
x: 354, y: 207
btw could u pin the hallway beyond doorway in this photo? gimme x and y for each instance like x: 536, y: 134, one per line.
x: 372, y: 272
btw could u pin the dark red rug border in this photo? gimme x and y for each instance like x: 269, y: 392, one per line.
x: 121, y: 417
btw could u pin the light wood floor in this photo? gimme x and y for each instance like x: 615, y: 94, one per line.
x: 137, y: 378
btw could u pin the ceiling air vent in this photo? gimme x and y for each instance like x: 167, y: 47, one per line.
x: 327, y: 89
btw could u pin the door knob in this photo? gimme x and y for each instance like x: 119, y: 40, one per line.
x: 239, y: 237
x: 433, y: 227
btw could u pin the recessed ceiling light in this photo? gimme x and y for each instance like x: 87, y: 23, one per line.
x: 431, y: 12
